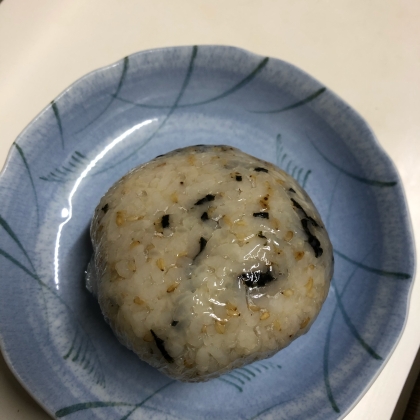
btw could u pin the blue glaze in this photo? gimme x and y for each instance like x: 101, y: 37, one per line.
x: 52, y: 332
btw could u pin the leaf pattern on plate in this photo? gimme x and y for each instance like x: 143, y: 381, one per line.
x: 372, y: 182
x: 113, y: 96
x: 392, y: 274
x: 287, y: 164
x: 25, y: 162
x: 238, y: 378
x: 294, y: 105
x: 86, y: 355
x: 176, y: 105
x: 241, y: 84
x: 58, y: 119
x: 339, y: 307
x: 63, y: 412
x: 69, y: 171
x: 164, y: 121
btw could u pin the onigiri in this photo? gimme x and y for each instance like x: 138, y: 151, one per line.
x: 207, y: 259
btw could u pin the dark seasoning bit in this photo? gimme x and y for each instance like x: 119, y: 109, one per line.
x: 260, y: 235
x: 204, y: 216
x: 161, y: 346
x: 262, y: 215
x: 105, y: 208
x: 165, y: 221
x: 238, y: 177
x: 256, y: 278
x: 313, y: 241
x: 174, y: 323
x: 292, y: 190
x: 205, y: 199
x: 298, y: 206
x: 203, y: 243
x: 259, y: 169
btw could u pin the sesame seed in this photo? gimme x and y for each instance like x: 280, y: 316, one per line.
x: 288, y: 292
x: 220, y: 328
x: 172, y: 287
x: 305, y: 322
x: 120, y: 218
x: 288, y: 236
x: 161, y: 264
x: 265, y: 315
x: 138, y: 301
x: 299, y: 255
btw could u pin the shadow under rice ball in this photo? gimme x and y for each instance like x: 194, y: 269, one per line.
x: 207, y: 259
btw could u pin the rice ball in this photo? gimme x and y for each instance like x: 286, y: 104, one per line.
x: 207, y: 259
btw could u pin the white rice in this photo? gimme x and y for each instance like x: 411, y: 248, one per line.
x: 206, y: 259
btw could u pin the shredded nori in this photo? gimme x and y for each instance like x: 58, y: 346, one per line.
x: 165, y: 221
x: 262, y: 214
x: 158, y: 156
x: 206, y: 199
x: 105, y: 208
x: 174, y: 323
x: 292, y: 190
x: 298, y: 206
x: 259, y: 169
x: 260, y: 235
x: 203, y: 243
x: 161, y: 346
x: 238, y: 177
x: 256, y: 278
x: 204, y: 216
x: 312, y: 239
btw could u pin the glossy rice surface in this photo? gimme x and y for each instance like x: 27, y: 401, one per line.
x: 206, y: 259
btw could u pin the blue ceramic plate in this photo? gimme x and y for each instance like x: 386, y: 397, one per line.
x: 52, y: 332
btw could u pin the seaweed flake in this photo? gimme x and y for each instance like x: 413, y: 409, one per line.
x: 256, y: 278
x: 259, y: 169
x: 165, y: 221
x: 238, y: 177
x: 298, y: 206
x: 260, y: 235
x: 262, y: 214
x: 158, y: 156
x: 204, y: 216
x: 203, y: 243
x: 174, y: 323
x: 205, y: 199
x: 161, y: 346
x: 312, y: 239
x: 292, y: 190
x: 105, y: 208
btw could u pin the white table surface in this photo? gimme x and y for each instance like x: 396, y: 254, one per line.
x: 366, y: 51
